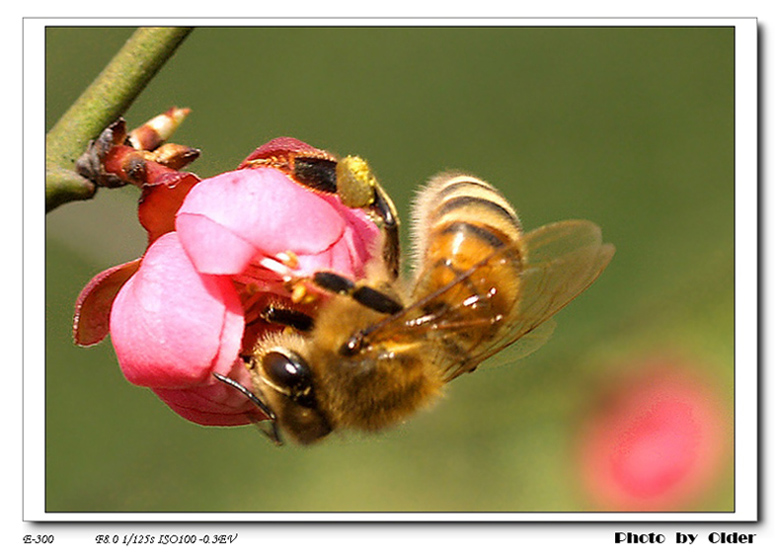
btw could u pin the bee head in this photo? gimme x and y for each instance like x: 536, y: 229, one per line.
x: 287, y: 383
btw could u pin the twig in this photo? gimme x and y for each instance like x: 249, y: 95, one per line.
x: 101, y: 103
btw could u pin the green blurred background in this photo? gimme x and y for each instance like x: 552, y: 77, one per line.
x: 629, y: 127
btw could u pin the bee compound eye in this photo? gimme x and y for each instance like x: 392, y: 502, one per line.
x: 290, y: 373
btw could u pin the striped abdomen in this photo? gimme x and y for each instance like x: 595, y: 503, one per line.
x: 464, y: 226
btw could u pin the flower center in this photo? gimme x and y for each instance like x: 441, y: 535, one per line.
x: 261, y: 289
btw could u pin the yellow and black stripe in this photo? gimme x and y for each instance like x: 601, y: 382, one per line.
x: 464, y: 224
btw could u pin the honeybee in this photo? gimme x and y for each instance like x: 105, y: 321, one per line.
x: 381, y: 348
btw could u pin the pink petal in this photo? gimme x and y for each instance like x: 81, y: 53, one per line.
x: 234, y: 219
x: 656, y: 440
x: 658, y: 448
x: 215, y: 404
x: 161, y: 199
x: 283, y: 147
x: 355, y: 248
x: 172, y: 327
x: 93, y: 307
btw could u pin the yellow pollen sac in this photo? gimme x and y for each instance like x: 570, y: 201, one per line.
x: 299, y: 292
x: 355, y: 182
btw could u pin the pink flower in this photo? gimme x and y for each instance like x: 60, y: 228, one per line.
x: 656, y: 441
x: 190, y: 307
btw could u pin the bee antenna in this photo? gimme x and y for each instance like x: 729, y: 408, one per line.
x: 365, y: 295
x: 273, y: 433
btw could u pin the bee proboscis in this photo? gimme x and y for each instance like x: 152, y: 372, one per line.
x: 383, y: 347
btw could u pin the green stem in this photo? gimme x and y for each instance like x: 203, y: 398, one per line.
x: 107, y: 98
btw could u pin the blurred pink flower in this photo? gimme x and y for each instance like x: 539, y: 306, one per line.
x: 656, y: 441
x: 190, y: 306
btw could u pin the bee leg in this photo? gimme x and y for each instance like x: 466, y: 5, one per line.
x: 391, y: 250
x: 352, y: 180
x: 365, y: 295
x: 287, y: 317
x: 357, y: 187
x: 335, y: 283
x: 271, y: 432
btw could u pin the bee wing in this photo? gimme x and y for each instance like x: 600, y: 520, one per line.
x: 561, y: 261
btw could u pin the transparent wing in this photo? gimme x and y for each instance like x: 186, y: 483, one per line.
x: 561, y: 261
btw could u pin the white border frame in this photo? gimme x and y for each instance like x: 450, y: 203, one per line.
x: 746, y: 282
